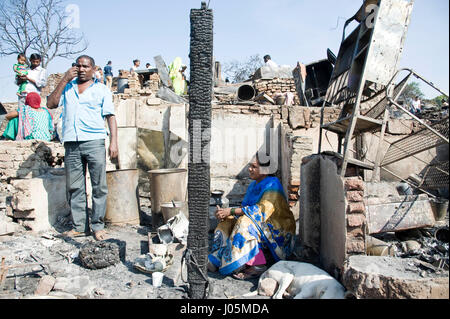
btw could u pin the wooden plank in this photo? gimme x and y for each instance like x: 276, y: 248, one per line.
x: 363, y: 124
x: 401, y: 213
x: 379, y: 156
x: 352, y: 161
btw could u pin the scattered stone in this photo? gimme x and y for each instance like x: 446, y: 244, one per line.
x: 45, y: 285
x: 410, y: 245
x: 374, y: 277
x: 62, y: 295
x: 78, y: 286
x: 154, y: 101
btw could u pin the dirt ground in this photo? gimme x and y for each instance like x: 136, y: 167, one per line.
x: 59, y: 258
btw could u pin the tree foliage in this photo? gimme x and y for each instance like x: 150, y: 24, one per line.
x: 439, y: 99
x: 40, y: 26
x: 411, y: 90
x: 237, y: 71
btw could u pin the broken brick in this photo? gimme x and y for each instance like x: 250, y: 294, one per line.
x: 354, y: 184
x: 355, y: 232
x: 356, y: 246
x: 355, y: 220
x: 295, y: 183
x: 45, y: 285
x: 355, y: 196
x: 356, y: 208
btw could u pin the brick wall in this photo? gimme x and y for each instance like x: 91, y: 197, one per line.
x: 273, y: 86
x: 26, y: 159
x: 355, y: 216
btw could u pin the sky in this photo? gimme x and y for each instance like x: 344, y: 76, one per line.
x: 288, y: 30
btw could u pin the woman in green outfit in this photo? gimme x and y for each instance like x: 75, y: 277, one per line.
x: 30, y: 122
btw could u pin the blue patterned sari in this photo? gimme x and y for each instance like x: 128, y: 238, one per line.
x: 267, y: 223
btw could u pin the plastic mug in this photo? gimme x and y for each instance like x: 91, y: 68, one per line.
x: 157, y: 278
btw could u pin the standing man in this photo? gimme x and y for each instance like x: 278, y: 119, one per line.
x: 416, y: 105
x: 268, y: 61
x: 36, y: 78
x: 136, y: 64
x: 107, y: 71
x: 86, y: 104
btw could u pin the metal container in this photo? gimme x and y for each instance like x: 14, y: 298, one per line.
x: 439, y: 206
x: 376, y: 247
x: 246, y: 92
x: 171, y: 209
x: 122, y: 84
x: 122, y: 204
x: 441, y: 234
x: 280, y: 100
x: 216, y: 196
x: 166, y: 185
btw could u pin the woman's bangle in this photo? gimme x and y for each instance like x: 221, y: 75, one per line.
x: 233, y: 212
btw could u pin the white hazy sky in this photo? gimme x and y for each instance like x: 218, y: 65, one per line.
x: 288, y: 30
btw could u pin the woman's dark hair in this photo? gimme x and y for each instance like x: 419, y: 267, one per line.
x: 35, y: 56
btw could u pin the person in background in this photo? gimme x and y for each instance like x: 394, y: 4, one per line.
x: 262, y: 222
x: 98, y: 74
x: 148, y: 66
x: 36, y: 77
x: 416, y: 105
x: 136, y: 64
x: 34, y: 122
x: 107, y: 71
x: 176, y: 69
x: 21, y: 70
x: 86, y: 104
x: 268, y: 61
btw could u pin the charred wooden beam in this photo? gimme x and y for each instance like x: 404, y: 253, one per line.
x: 200, y: 94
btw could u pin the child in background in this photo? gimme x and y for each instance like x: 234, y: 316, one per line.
x: 21, y: 69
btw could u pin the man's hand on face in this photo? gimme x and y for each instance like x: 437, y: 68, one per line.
x: 70, y: 74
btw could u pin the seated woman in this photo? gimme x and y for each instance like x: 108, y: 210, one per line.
x: 264, y: 222
x: 29, y: 122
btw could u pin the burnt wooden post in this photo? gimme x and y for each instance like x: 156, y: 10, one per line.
x: 200, y: 90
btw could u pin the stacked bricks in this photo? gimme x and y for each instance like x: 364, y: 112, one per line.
x: 154, y: 82
x: 293, y: 192
x: 330, y: 114
x: 276, y: 85
x: 26, y: 159
x: 273, y: 110
x: 302, y: 146
x: 356, y: 217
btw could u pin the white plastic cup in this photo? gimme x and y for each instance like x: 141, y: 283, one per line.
x: 157, y: 278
